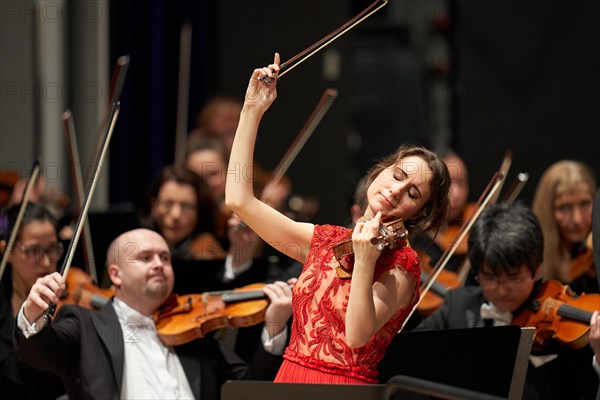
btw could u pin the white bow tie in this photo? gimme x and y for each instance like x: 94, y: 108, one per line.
x: 489, y: 311
x: 141, y: 322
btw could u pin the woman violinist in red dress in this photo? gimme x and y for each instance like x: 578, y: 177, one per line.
x: 342, y: 327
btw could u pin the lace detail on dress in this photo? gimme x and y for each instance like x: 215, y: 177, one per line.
x: 318, y: 338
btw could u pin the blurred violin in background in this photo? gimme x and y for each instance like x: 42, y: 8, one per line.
x: 447, y: 237
x: 205, y: 247
x: 434, y: 298
x: 584, y: 262
x: 82, y: 291
x: 8, y: 179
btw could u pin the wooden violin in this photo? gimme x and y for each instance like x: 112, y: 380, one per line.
x: 82, y: 291
x: 206, y: 247
x: 434, y: 298
x: 391, y: 235
x: 558, y: 313
x: 185, y: 318
x: 8, y: 180
x: 583, y: 264
x: 445, y: 239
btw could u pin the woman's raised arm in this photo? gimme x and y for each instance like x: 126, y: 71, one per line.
x: 286, y: 235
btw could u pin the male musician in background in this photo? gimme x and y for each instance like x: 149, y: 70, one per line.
x: 436, y: 243
x: 218, y: 119
x: 505, y: 250
x: 116, y: 352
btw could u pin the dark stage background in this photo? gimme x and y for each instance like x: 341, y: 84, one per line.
x: 521, y: 76
x: 526, y: 79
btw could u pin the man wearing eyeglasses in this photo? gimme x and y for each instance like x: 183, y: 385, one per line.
x: 505, y: 249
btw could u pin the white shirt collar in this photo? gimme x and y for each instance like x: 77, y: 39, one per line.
x: 127, y: 314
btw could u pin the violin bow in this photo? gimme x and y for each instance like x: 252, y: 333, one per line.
x: 465, y: 266
x: 299, y: 58
x: 116, y: 88
x: 485, y: 198
x: 327, y: 99
x: 88, y: 250
x: 35, y: 172
x: 185, y: 49
x: 100, y: 157
x: 516, y: 187
x: 504, y: 168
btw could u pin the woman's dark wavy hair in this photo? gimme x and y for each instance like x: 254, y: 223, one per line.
x: 33, y: 213
x: 8, y: 219
x: 435, y: 211
x: 207, y: 208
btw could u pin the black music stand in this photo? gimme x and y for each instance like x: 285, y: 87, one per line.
x: 264, y: 390
x: 490, y: 360
x: 402, y: 387
x: 475, y: 363
x: 398, y: 388
x: 197, y: 276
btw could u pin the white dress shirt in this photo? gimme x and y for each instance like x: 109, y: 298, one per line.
x: 500, y: 318
x: 231, y: 272
x: 152, y: 370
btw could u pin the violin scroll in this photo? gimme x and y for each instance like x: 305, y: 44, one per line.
x: 389, y: 234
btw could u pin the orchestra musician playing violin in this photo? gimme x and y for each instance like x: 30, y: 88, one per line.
x: 434, y: 244
x: 181, y: 208
x: 343, y: 318
x: 35, y: 254
x: 563, y: 203
x: 116, y: 352
x: 207, y: 158
x: 505, y: 251
x: 218, y: 119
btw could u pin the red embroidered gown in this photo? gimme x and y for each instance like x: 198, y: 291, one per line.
x: 318, y: 352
